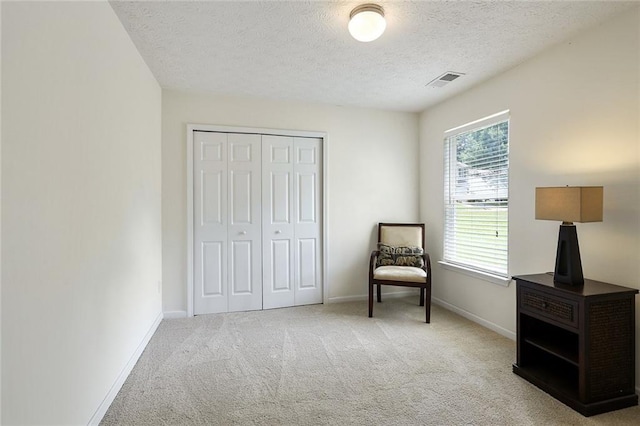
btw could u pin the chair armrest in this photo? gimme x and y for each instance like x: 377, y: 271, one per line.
x: 427, y: 263
x: 372, y: 259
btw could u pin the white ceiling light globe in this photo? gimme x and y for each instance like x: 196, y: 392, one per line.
x: 367, y: 22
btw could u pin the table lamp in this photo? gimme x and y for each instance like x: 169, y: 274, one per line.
x: 569, y: 204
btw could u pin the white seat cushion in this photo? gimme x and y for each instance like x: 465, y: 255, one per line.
x: 400, y: 273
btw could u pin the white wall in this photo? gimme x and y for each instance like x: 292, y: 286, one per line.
x: 372, y: 177
x: 574, y: 121
x: 81, y: 227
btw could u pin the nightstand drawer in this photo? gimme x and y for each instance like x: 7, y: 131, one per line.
x: 555, y: 308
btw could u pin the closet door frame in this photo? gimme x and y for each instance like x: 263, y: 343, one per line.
x: 190, y: 195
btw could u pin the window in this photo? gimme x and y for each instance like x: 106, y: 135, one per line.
x: 476, y: 168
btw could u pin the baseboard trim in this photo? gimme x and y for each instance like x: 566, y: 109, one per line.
x: 473, y: 317
x: 117, y: 385
x: 358, y: 298
x: 174, y: 314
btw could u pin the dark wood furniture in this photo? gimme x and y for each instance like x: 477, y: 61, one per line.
x: 386, y: 234
x: 577, y: 343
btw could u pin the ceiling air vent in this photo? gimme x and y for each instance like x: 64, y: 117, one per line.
x: 444, y: 79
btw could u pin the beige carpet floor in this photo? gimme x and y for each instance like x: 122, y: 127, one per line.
x: 331, y: 365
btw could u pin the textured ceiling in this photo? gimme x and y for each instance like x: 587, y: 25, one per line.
x: 301, y: 50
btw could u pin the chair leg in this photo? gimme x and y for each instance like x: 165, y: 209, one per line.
x: 428, y: 304
x: 379, y: 293
x: 421, y: 296
x: 370, y: 299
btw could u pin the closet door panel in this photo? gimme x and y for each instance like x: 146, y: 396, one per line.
x: 240, y: 275
x: 277, y: 221
x: 308, y: 201
x: 244, y: 229
x: 212, y: 268
x: 211, y: 194
x: 210, y: 222
x: 306, y: 268
x: 280, y: 266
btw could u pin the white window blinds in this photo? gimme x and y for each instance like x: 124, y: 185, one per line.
x: 476, y: 168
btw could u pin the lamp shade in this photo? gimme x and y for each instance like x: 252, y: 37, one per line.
x: 570, y: 203
x: 366, y: 22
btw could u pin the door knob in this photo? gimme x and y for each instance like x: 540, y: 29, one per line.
x: 278, y: 232
x: 243, y: 232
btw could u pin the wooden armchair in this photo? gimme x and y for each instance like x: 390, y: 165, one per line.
x: 400, y: 260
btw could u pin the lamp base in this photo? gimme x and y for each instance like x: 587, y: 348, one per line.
x: 568, y: 264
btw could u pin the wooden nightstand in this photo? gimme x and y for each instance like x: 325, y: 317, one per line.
x: 577, y: 343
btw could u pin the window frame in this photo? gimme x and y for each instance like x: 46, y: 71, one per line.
x: 451, y: 264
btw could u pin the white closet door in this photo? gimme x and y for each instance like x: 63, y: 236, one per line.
x: 210, y: 222
x: 277, y: 222
x: 244, y: 229
x: 307, y: 220
x: 257, y: 210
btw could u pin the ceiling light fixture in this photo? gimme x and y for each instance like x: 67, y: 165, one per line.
x: 366, y: 22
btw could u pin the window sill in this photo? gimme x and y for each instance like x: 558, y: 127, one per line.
x: 485, y: 276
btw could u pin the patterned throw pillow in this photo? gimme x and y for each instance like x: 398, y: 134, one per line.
x: 400, y: 256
